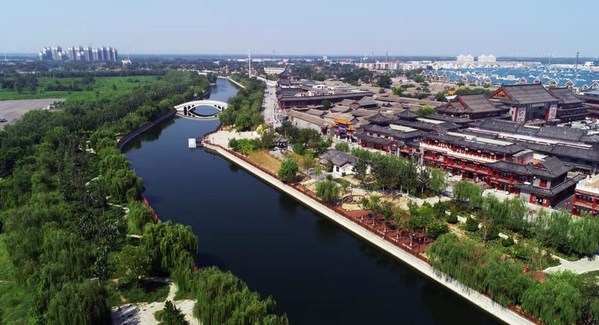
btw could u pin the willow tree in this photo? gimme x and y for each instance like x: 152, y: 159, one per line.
x: 169, y: 245
x: 222, y: 298
x: 328, y: 190
x: 468, y: 192
x: 557, y: 300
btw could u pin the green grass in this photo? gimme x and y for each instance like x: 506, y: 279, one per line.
x: 6, y: 266
x: 15, y: 302
x: 145, y: 291
x: 101, y: 89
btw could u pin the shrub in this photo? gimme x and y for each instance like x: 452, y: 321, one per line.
x: 507, y: 242
x: 452, y: 219
x: 471, y: 225
x: 437, y: 229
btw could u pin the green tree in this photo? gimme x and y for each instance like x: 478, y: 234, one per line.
x: 440, y: 97
x: 556, y: 301
x: 398, y: 91
x: 384, y: 82
x: 326, y: 104
x: 327, y: 190
x: 342, y: 146
x: 171, y: 315
x: 168, y: 245
x: 79, y: 303
x: 288, y: 170
x: 425, y: 110
x: 222, y: 298
x: 468, y: 192
x: 438, y: 180
x: 132, y: 264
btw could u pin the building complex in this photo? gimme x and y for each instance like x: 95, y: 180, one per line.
x: 518, y: 140
x: 79, y: 53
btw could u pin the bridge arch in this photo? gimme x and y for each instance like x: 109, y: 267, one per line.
x: 187, y: 109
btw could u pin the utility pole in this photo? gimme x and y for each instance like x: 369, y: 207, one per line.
x: 576, y: 67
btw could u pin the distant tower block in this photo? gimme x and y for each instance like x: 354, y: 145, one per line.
x: 250, y: 64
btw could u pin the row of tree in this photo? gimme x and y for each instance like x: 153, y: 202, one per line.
x: 61, y: 235
x: 557, y: 230
x: 245, y: 109
x: 562, y: 298
x: 389, y: 172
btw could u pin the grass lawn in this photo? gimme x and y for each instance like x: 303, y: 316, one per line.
x: 263, y: 158
x: 103, y: 88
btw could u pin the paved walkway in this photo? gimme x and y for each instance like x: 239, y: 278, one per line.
x: 581, y: 266
x: 473, y: 296
x: 143, y: 313
x: 222, y: 138
x: 269, y: 106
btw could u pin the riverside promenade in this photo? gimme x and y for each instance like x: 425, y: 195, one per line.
x: 473, y: 296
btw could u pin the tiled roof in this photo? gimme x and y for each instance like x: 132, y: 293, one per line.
x: 338, y: 157
x: 527, y: 94
x: 550, y: 132
x: 308, y: 118
x: 367, y: 138
x: 551, y: 168
x: 378, y: 118
x: 471, y: 103
x: 476, y: 145
x: 565, y: 95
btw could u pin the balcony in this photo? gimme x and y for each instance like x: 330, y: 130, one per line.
x: 451, y: 153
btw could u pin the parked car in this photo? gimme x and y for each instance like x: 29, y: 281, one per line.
x: 2, y: 120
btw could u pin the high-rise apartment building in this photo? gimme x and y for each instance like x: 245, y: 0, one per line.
x: 79, y: 53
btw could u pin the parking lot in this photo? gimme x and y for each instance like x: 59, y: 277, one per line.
x: 13, y: 109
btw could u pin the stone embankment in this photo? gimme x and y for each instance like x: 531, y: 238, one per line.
x: 484, y: 302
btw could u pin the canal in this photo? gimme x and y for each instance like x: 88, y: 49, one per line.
x: 317, y: 272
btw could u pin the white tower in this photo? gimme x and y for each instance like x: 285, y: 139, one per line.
x: 250, y: 64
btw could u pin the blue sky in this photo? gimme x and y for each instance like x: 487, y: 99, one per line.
x: 321, y: 27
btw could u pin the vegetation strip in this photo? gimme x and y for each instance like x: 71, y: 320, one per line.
x: 475, y: 297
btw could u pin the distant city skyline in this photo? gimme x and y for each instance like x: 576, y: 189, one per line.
x: 511, y: 28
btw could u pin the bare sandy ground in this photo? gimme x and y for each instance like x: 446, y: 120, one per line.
x: 13, y: 109
x: 143, y: 313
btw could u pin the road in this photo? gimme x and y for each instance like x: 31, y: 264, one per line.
x: 14, y: 109
x: 270, y: 106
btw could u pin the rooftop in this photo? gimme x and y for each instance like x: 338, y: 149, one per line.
x: 524, y: 94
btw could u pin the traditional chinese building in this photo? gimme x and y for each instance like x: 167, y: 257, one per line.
x: 530, y: 102
x: 586, y: 197
x: 570, y: 108
x: 503, y: 165
x: 473, y: 107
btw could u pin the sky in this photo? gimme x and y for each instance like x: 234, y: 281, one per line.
x: 306, y: 27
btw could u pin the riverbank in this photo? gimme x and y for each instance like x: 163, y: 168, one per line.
x: 122, y: 142
x: 415, y: 262
x: 238, y: 84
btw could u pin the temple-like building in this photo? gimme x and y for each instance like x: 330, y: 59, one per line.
x: 527, y: 103
x: 503, y: 165
x: 473, y: 107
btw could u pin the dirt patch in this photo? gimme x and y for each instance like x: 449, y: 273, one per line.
x: 266, y: 160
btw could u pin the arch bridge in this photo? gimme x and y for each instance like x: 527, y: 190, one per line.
x: 188, y: 109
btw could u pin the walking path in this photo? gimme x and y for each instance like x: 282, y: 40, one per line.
x: 143, y: 313
x: 473, y: 296
x: 583, y: 265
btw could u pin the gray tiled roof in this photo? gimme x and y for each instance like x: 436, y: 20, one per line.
x: 338, y: 157
x: 471, y: 103
x: 475, y: 145
x: 528, y: 94
x: 551, y: 168
x: 565, y: 95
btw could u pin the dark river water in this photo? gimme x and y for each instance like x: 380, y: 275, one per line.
x: 316, y: 271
